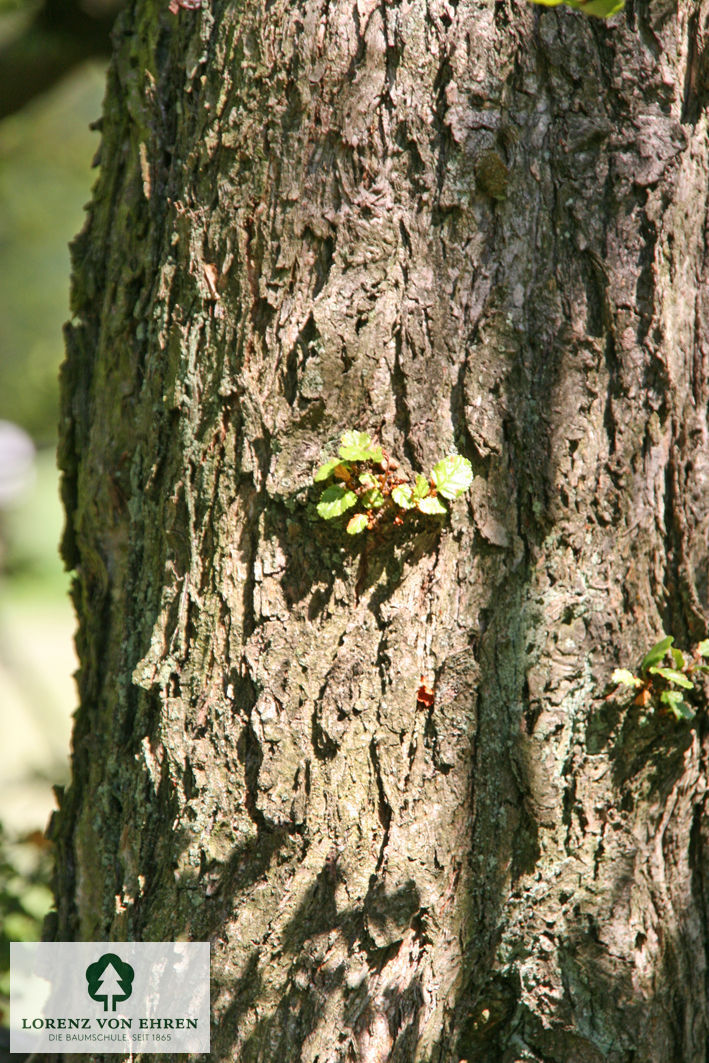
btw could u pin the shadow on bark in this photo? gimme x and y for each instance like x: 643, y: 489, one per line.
x: 650, y: 743
x: 317, y: 553
x: 310, y: 985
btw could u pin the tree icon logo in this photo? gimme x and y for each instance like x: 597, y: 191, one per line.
x: 110, y: 980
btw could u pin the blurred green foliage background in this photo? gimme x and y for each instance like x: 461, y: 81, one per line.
x: 45, y: 178
x: 46, y: 150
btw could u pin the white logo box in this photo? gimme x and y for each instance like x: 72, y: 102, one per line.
x: 122, y: 997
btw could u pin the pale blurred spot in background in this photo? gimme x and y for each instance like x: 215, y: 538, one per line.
x: 36, y: 625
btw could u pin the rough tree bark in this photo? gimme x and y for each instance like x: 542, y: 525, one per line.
x: 457, y: 225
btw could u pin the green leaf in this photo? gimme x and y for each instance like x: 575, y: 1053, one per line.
x: 372, y: 499
x: 677, y: 657
x: 431, y: 506
x: 599, y: 8
x: 356, y: 524
x: 452, y: 476
x: 335, y: 501
x: 422, y: 487
x: 403, y: 496
x: 358, y: 446
x: 673, y: 676
x: 674, y: 700
x: 703, y: 648
x: 622, y: 675
x: 658, y: 651
x: 326, y: 470
x: 367, y: 480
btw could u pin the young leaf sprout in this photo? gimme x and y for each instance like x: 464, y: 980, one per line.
x: 660, y: 684
x: 364, y: 478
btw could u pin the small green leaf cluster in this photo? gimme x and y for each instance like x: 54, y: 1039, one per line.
x: 659, y: 683
x: 366, y: 479
x: 599, y: 8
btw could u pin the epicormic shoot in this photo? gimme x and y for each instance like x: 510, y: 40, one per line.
x: 367, y: 480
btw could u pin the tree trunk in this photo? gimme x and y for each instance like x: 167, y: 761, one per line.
x: 459, y: 226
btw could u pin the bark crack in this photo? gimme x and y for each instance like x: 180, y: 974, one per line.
x: 402, y: 413
x: 384, y: 810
